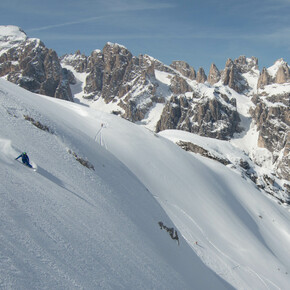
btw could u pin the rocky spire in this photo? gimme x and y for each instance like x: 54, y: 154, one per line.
x: 214, y: 74
x: 245, y: 64
x: 184, y: 68
x: 264, y: 79
x: 228, y: 73
x: 283, y: 74
x: 201, y: 76
x: 232, y: 75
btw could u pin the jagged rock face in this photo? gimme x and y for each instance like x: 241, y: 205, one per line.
x: 245, y: 65
x: 78, y: 61
x: 214, y: 75
x: 204, y: 116
x: 115, y: 75
x: 273, y: 125
x: 264, y: 79
x: 184, y: 68
x: 232, y: 75
x: 116, y: 61
x: 283, y: 74
x: 36, y: 68
x: 201, y: 76
x: 130, y: 82
x: 95, y: 69
x: 179, y: 85
x: 108, y: 71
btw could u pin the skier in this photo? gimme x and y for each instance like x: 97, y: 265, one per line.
x: 25, y: 159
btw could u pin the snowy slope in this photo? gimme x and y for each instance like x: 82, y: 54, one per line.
x: 69, y: 227
x: 66, y: 226
x: 241, y: 234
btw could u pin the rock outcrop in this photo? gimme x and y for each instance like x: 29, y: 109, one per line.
x: 214, y: 75
x: 279, y: 73
x: 201, y: 76
x: 283, y: 74
x: 273, y: 123
x: 78, y: 61
x: 184, y: 68
x: 34, y: 67
x: 232, y: 77
x: 179, y: 85
x: 264, y: 79
x: 204, y: 116
x: 234, y: 73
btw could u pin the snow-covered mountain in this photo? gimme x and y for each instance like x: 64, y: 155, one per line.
x: 234, y: 104
x: 28, y: 63
x: 89, y: 217
x: 110, y: 198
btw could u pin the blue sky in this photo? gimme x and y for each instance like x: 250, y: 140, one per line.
x: 199, y: 32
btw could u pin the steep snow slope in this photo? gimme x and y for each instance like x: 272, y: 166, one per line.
x: 66, y: 226
x: 242, y: 234
x: 82, y: 228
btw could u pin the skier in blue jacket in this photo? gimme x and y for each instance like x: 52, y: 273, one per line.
x: 25, y: 159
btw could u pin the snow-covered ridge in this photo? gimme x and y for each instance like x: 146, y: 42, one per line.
x: 116, y: 45
x: 272, y: 70
x: 10, y: 36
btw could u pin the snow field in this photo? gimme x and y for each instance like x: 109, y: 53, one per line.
x: 69, y: 227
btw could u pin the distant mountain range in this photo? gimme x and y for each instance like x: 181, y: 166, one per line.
x: 231, y: 104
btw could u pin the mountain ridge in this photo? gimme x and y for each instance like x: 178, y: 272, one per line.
x: 145, y: 91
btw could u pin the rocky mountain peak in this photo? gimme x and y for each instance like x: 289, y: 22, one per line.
x: 244, y: 64
x: 229, y: 63
x: 201, y: 76
x: 78, y: 61
x: 28, y: 63
x: 278, y: 73
x: 10, y: 36
x: 283, y: 74
x: 264, y: 79
x: 214, y: 74
x: 233, y: 74
x: 184, y: 68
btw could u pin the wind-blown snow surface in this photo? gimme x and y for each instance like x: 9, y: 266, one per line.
x: 69, y: 227
x: 66, y: 226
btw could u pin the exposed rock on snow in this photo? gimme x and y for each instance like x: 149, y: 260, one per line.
x: 188, y: 146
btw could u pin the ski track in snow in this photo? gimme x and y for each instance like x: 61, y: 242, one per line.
x: 222, y: 270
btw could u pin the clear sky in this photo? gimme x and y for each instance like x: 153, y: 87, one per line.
x: 199, y: 32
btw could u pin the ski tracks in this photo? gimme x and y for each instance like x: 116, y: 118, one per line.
x: 218, y: 264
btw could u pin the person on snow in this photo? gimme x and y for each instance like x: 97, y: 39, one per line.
x: 25, y: 159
